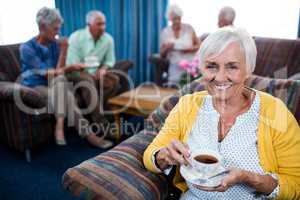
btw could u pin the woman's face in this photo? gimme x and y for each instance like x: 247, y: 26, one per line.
x: 225, y: 73
x: 176, y: 20
x: 50, y: 31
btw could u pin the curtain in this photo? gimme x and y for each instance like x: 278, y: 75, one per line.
x: 134, y: 24
x: 299, y: 26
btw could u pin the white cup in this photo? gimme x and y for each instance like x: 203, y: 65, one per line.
x: 91, y: 63
x: 206, y: 162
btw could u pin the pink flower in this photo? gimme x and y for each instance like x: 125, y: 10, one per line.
x: 190, y: 66
x: 184, y: 64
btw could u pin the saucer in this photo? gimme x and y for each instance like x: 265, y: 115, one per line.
x: 193, y: 176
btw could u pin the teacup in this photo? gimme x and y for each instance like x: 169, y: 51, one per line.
x: 91, y: 63
x: 206, y: 162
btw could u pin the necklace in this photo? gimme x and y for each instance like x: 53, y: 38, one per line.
x: 226, y: 123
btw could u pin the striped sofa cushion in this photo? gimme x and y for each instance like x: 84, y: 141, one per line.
x: 117, y: 174
x: 120, y: 174
x: 287, y: 90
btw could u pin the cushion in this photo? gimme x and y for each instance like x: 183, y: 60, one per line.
x: 287, y: 90
x: 117, y: 174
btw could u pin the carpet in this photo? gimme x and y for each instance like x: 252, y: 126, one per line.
x: 41, y: 179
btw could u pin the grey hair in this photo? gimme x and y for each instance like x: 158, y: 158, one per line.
x: 48, y: 16
x: 216, y: 42
x: 175, y: 9
x: 228, y: 13
x: 92, y: 15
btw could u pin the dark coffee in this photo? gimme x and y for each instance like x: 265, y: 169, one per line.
x: 207, y: 159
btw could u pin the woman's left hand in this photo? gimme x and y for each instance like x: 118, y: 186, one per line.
x: 234, y: 177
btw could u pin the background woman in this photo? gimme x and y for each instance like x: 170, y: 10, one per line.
x: 177, y: 42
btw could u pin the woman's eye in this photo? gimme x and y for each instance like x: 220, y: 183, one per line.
x: 211, y: 66
x: 232, y: 67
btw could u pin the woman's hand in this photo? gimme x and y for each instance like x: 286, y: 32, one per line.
x: 234, y: 177
x: 54, y: 72
x: 264, y: 184
x: 190, y: 50
x: 165, y: 48
x: 176, y: 153
x: 168, y: 46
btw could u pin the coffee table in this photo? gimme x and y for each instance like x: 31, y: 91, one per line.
x: 140, y: 101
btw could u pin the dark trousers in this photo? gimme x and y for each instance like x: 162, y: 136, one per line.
x: 95, y: 93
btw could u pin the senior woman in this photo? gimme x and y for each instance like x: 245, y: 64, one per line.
x: 43, y: 68
x: 254, y: 132
x: 177, y: 42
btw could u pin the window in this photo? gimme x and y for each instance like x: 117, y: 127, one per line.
x: 17, y: 19
x: 266, y: 18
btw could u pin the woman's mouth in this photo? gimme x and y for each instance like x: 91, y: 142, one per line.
x: 223, y: 87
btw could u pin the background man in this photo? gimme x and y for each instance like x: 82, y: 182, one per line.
x: 226, y: 16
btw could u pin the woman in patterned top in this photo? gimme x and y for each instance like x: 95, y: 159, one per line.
x: 254, y: 132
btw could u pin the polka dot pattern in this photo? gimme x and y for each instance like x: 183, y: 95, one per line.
x: 238, y: 148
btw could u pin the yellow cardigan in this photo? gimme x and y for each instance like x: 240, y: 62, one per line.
x: 278, y: 140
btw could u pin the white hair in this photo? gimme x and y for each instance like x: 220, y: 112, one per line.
x: 228, y: 13
x: 175, y: 10
x: 92, y: 15
x: 48, y: 16
x: 216, y: 42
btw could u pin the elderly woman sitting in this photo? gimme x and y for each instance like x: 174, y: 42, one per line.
x: 177, y: 42
x: 254, y: 132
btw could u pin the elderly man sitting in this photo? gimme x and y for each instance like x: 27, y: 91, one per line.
x: 226, y: 16
x: 94, y: 47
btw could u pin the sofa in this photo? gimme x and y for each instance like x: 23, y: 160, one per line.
x: 119, y: 173
x: 279, y: 58
x: 20, y: 130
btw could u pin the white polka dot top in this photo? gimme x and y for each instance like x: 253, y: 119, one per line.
x: 238, y: 148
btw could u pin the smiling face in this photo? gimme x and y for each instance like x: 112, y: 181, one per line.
x: 97, y: 26
x: 225, y: 73
x: 49, y: 32
x: 176, y: 20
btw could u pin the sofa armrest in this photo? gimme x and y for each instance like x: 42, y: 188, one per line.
x: 161, y: 68
x: 117, y: 174
x: 121, y: 69
x: 123, y: 65
x: 157, y: 60
x: 3, y: 77
x: 30, y: 97
x: 295, y: 76
x: 288, y: 90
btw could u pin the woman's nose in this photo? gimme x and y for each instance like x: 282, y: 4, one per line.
x: 221, y: 75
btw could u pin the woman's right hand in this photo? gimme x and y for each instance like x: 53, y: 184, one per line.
x: 169, y: 46
x: 176, y: 153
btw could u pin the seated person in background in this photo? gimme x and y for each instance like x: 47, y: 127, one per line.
x: 254, y: 132
x: 42, y: 66
x: 226, y: 16
x: 177, y: 42
x: 94, y: 46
